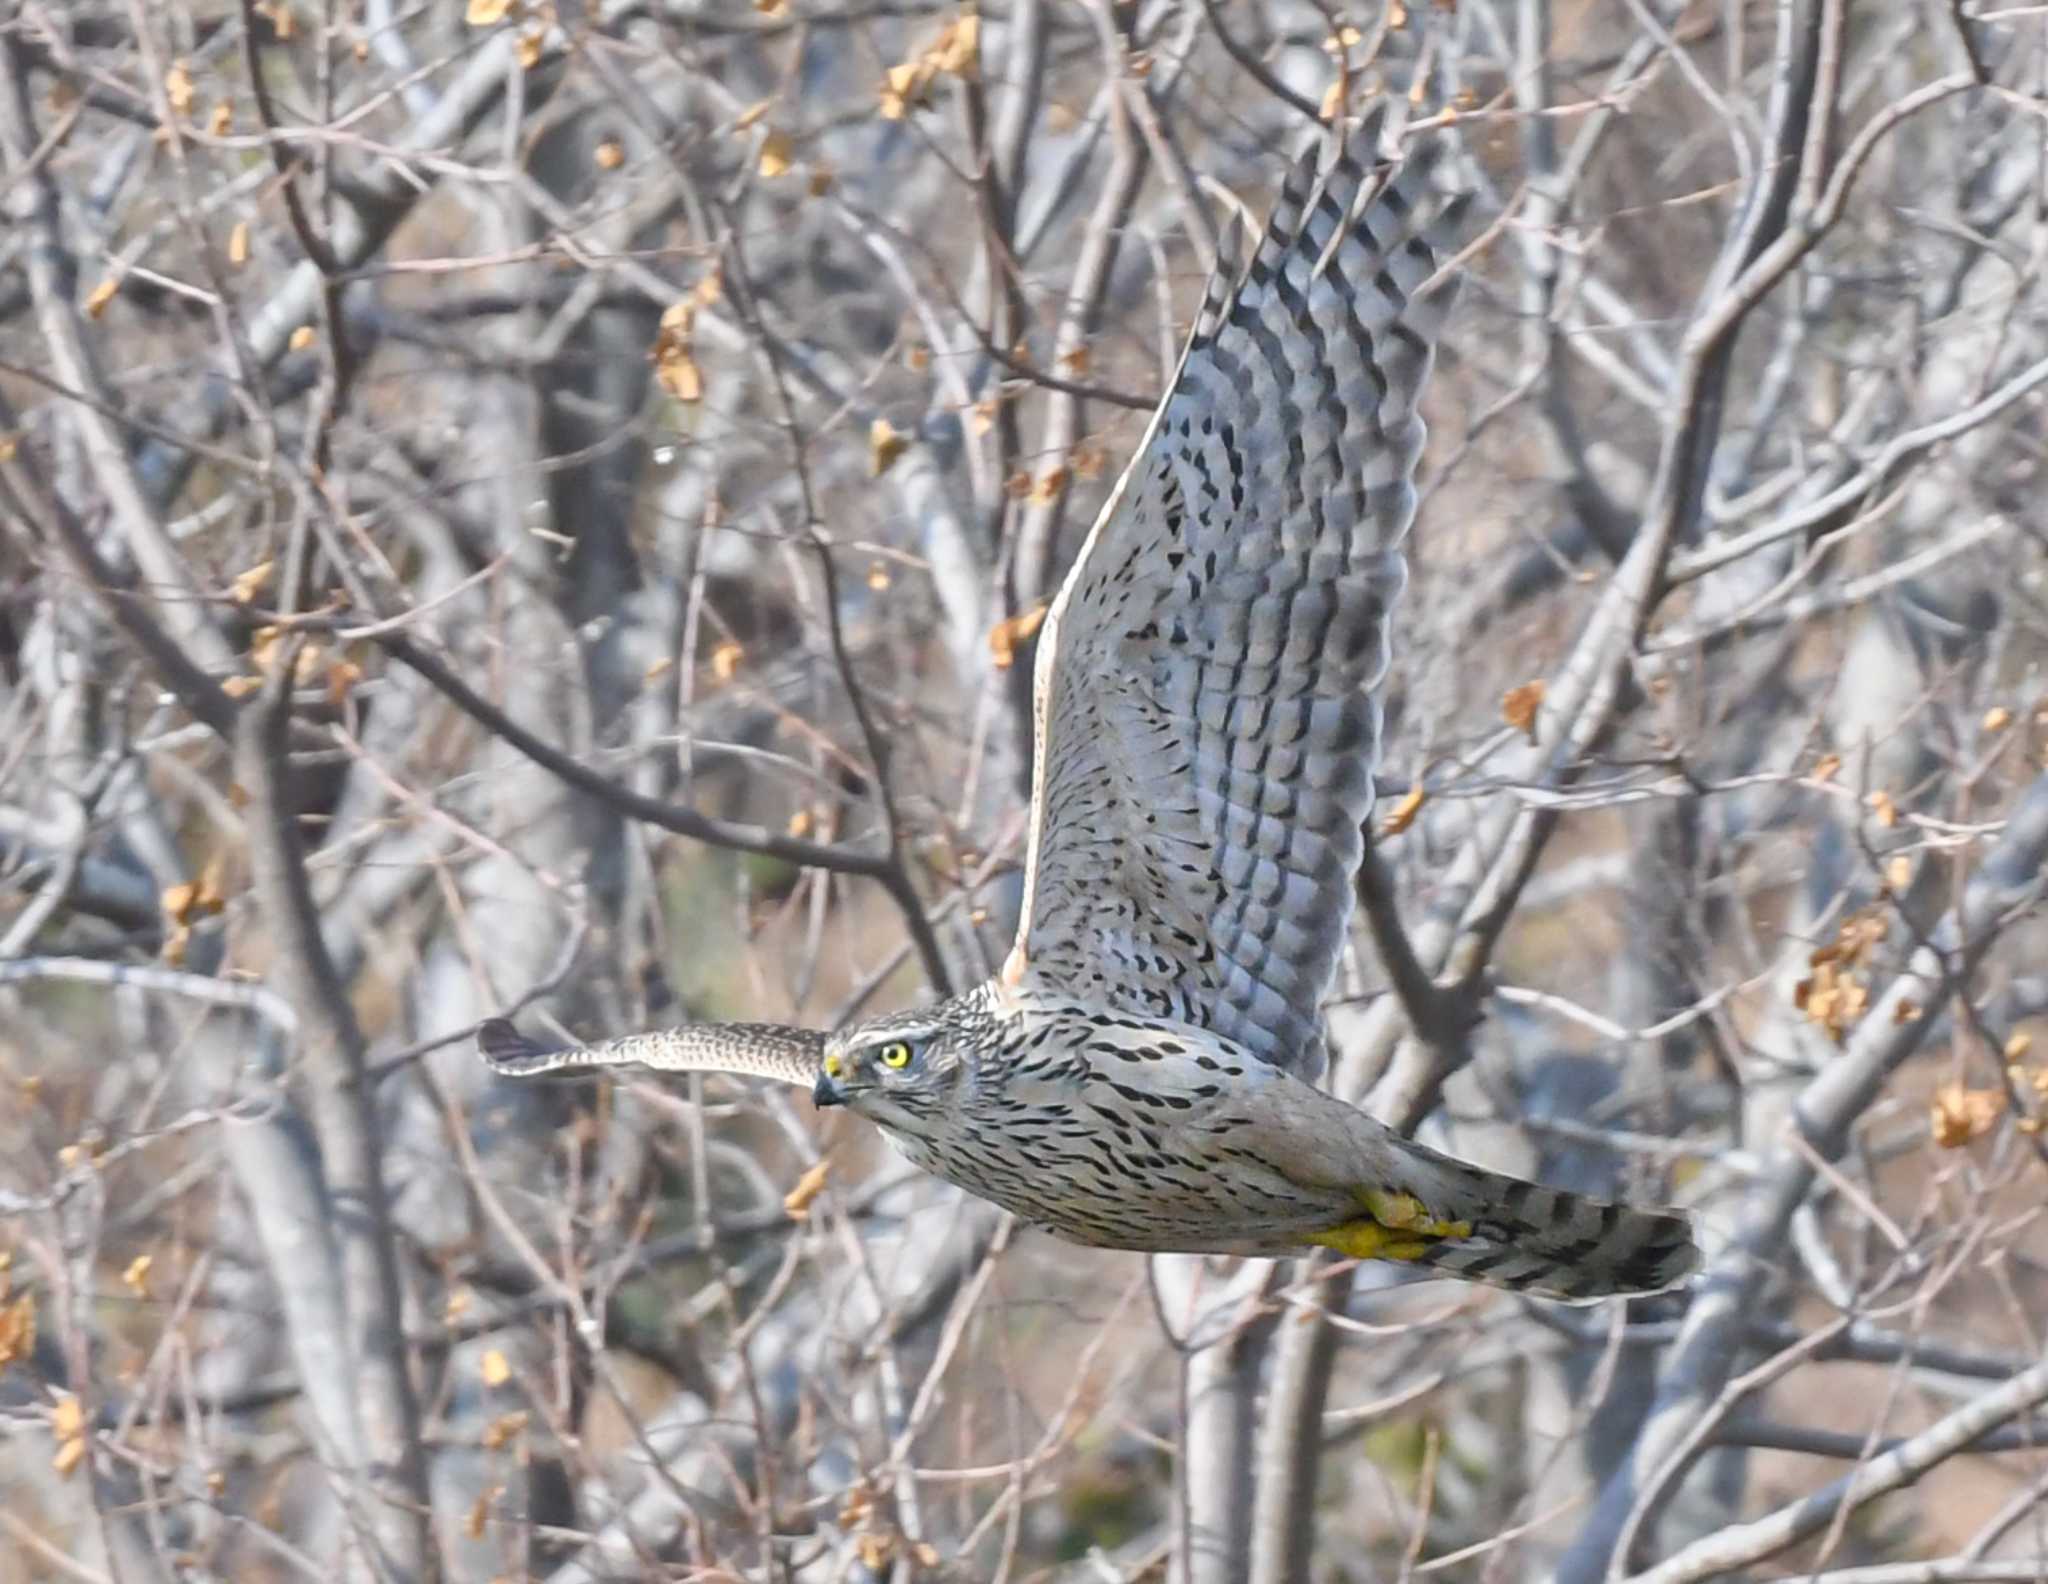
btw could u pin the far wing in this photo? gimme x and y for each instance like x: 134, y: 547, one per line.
x: 750, y: 1050
x: 1205, y: 722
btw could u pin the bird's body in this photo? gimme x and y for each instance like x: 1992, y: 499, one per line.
x: 1142, y: 1073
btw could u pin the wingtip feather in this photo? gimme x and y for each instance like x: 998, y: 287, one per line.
x: 506, y: 1051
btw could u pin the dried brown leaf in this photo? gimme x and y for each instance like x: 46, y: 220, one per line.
x: 725, y: 660
x: 238, y: 244
x: 1047, y: 487
x: 1960, y: 1115
x: 674, y: 365
x: 1007, y: 636
x: 17, y: 1330
x: 957, y: 51
x: 1997, y: 719
x: 885, y: 445
x: 797, y: 1202
x: 680, y: 377
x: 487, y: 13
x: 246, y: 585
x: 777, y: 154
x: 495, y: 1368
x: 1403, y: 813
x: 1518, y: 707
x: 97, y: 299
x: 178, y: 86
x: 609, y: 155
x: 342, y: 676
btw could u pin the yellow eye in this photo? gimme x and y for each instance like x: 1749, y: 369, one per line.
x: 896, y: 1054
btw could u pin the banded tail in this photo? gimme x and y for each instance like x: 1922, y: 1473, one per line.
x: 1487, y: 1227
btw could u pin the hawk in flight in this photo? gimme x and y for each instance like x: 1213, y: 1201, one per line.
x: 1143, y: 1072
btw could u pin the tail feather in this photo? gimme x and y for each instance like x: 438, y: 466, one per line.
x: 1551, y: 1242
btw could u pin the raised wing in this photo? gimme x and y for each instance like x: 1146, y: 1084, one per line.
x: 1206, y: 727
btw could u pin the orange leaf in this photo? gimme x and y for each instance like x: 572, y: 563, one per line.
x: 1006, y: 636
x: 17, y: 1330
x: 797, y: 1202
x: 885, y: 445
x: 1959, y: 1115
x: 1518, y: 707
x: 245, y: 586
x: 777, y: 154
x: 1403, y: 813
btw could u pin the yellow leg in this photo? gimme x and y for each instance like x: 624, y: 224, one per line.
x: 1395, y: 1227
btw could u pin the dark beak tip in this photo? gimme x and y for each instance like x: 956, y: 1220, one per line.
x: 826, y: 1093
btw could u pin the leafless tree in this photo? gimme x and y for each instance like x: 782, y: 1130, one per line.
x: 541, y: 506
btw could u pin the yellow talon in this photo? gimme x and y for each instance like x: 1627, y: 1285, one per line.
x: 1405, y: 1213
x: 1370, y: 1240
x: 1397, y: 1227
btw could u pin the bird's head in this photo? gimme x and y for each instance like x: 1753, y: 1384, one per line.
x: 899, y: 1071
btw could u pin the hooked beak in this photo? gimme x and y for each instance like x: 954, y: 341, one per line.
x: 826, y: 1091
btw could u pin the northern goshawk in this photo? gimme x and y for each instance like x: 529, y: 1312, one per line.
x: 1143, y: 1072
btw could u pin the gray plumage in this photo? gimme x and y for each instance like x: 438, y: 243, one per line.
x: 1206, y: 724
x: 1141, y: 1075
